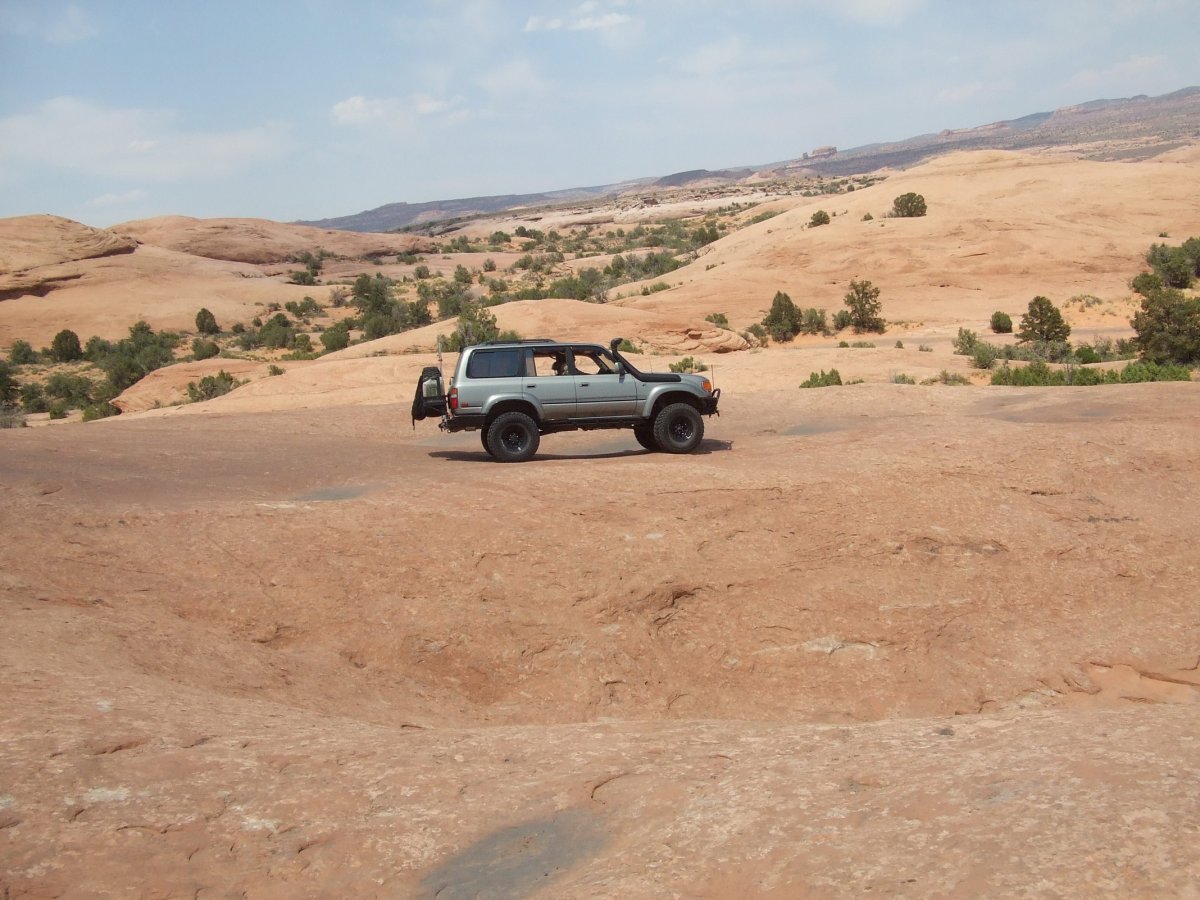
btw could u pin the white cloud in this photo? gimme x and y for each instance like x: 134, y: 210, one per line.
x: 541, y: 23
x: 71, y: 27
x: 595, y: 23
x: 396, y: 113
x: 515, y: 78
x: 879, y: 13
x: 72, y: 135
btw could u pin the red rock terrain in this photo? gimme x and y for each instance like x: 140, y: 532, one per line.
x: 912, y: 640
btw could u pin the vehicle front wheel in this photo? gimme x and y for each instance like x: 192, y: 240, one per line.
x: 645, y: 437
x: 513, y: 437
x: 678, y: 428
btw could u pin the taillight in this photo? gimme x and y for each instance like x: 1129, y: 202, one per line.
x: 453, y: 399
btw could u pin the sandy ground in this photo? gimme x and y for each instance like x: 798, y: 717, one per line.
x: 878, y: 639
x: 919, y: 640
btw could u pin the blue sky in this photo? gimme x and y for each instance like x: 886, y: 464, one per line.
x: 118, y: 109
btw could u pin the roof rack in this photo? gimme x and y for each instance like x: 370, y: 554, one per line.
x: 522, y: 341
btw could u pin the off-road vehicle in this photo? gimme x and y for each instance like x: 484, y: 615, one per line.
x: 513, y: 392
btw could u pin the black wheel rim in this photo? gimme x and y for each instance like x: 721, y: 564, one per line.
x: 681, y: 430
x: 513, y: 439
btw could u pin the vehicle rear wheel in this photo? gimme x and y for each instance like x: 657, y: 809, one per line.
x: 678, y: 428
x: 645, y: 437
x: 483, y: 440
x: 512, y: 437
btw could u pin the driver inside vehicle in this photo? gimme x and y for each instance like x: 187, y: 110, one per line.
x: 560, y: 365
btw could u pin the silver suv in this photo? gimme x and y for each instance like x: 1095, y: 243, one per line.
x: 513, y: 392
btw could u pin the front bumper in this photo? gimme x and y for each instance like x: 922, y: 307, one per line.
x: 708, y: 406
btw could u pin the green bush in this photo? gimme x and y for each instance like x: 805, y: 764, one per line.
x: 783, y: 320
x: 688, y: 364
x: 1001, y: 323
x: 33, y: 398
x: 951, y: 378
x: 65, y: 346
x: 202, y: 349
x: 903, y: 379
x: 862, y: 301
x: 336, y: 338
x: 718, y: 319
x: 1146, y: 284
x: 822, y: 379
x: 21, y: 353
x: 820, y: 217
x: 206, y: 322
x: 211, y: 386
x: 813, y: 321
x: 984, y: 355
x: 924, y: 348
x: 1168, y: 328
x: 908, y: 206
x: 101, y: 410
x: 8, y: 383
x: 1043, y: 322
x: 965, y: 342
x: 842, y: 319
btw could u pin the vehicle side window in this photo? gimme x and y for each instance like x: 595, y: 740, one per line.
x: 495, y: 364
x: 590, y: 362
x: 550, y: 363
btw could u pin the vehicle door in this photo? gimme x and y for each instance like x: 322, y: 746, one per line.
x: 548, y: 378
x: 600, y: 390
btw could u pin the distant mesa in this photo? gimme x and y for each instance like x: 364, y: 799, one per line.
x: 821, y: 153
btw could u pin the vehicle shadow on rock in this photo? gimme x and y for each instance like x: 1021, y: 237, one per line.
x: 706, y: 446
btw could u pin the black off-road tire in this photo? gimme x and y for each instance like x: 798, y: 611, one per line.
x: 513, y: 437
x: 483, y: 435
x: 645, y: 437
x: 678, y: 428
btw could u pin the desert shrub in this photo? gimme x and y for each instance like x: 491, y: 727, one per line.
x: 1174, y: 265
x: 719, y: 319
x: 304, y: 309
x: 33, y: 398
x: 843, y: 344
x: 688, y: 364
x: 474, y: 326
x: 21, y: 353
x: 899, y: 345
x: 211, y: 386
x: 862, y: 301
x: 863, y: 345
x: 202, y: 349
x: 822, y: 379
x: 983, y: 355
x: 277, y: 332
x: 57, y: 410
x: 100, y: 410
x: 655, y: 288
x: 908, y: 206
x: 275, y: 370
x: 8, y: 383
x: 867, y: 217
x: 462, y: 275
x: 820, y: 217
x: 759, y: 333
x: 901, y: 378
x: 842, y: 319
x: 813, y: 321
x: 1168, y: 328
x: 336, y: 338
x: 97, y: 348
x: 75, y: 391
x: 783, y: 320
x: 1146, y: 284
x: 1043, y: 322
x: 924, y: 348
x: 627, y: 346
x: 1001, y: 323
x: 1038, y: 374
x: 206, y: 322
x: 302, y: 276
x: 11, y: 416
x: 965, y: 342
x: 421, y: 271
x: 489, y: 265
x: 1086, y: 354
x: 950, y: 378
x: 65, y: 347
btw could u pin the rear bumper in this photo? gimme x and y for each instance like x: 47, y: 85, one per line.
x: 462, y: 422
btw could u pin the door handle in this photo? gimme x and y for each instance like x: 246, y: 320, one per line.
x: 584, y: 384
